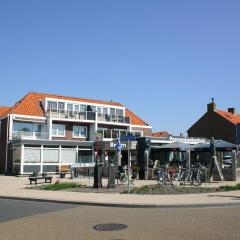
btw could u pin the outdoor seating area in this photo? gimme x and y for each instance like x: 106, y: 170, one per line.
x: 35, y: 177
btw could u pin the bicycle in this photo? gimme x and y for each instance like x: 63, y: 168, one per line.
x: 123, y: 177
x: 163, y: 177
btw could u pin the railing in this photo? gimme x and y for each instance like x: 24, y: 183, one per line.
x: 112, y: 118
x: 88, y: 116
x: 29, y: 135
x: 72, y: 115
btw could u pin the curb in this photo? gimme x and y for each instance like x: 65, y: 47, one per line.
x: 119, y: 205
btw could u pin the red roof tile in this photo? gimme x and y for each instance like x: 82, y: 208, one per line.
x: 161, y: 134
x: 134, y: 118
x: 233, y: 118
x: 31, y: 105
x: 3, y: 110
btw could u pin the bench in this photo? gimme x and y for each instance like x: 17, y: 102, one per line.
x: 35, y: 178
x: 62, y: 170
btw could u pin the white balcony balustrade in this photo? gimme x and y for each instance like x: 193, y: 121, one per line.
x: 88, y: 116
x: 71, y: 115
x: 29, y: 135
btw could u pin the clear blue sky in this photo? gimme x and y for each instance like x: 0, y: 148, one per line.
x: 162, y: 59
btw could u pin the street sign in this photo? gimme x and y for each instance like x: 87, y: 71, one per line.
x: 128, y: 138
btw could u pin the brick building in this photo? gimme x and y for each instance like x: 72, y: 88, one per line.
x: 43, y: 131
x: 218, y: 124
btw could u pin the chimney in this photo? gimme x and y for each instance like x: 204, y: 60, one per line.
x: 232, y: 110
x: 211, y: 106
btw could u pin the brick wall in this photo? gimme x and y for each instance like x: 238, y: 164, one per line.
x: 212, y: 124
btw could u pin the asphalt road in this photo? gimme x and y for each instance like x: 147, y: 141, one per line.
x: 25, y: 220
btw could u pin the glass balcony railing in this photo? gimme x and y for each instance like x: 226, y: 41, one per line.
x: 29, y: 135
x: 87, y: 116
x: 72, y: 115
x: 113, y: 118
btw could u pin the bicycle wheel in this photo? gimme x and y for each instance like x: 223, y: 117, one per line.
x: 197, y: 180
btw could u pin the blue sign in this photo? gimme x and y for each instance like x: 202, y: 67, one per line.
x: 118, y: 146
x: 128, y: 138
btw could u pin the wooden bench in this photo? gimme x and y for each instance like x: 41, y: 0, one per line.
x: 46, y: 178
x: 62, y: 170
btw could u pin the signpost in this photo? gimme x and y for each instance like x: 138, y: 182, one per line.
x: 129, y: 139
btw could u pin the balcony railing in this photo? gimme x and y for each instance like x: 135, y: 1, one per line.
x: 88, y: 116
x: 112, y: 118
x: 72, y: 115
x: 29, y: 135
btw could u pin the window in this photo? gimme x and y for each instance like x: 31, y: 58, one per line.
x: 99, y: 111
x: 79, y: 131
x: 112, y: 112
x: 105, y: 111
x: 70, y: 107
x: 61, y: 107
x: 58, y: 130
x: 83, y: 108
x: 119, y: 112
x: 76, y: 108
x: 52, y: 106
x: 100, y: 133
x: 107, y: 133
x: 137, y: 133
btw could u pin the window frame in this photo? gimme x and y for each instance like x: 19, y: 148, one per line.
x: 75, y: 136
x: 57, y: 130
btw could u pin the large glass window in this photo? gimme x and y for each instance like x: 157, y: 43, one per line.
x: 68, y: 156
x: 76, y: 108
x: 104, y: 111
x: 58, y: 130
x: 85, y: 156
x: 50, y: 155
x: 79, y: 131
x: 119, y: 112
x: 61, y: 107
x: 32, y: 155
x: 52, y: 106
x: 112, y: 112
x: 70, y: 107
x: 17, y: 126
x: 83, y: 108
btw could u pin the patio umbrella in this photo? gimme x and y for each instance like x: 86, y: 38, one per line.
x: 177, y: 146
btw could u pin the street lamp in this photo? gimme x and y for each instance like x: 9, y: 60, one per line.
x: 98, y: 168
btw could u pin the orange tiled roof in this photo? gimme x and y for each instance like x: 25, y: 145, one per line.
x: 3, y: 110
x: 233, y: 118
x: 31, y: 105
x: 161, y: 134
x: 134, y: 118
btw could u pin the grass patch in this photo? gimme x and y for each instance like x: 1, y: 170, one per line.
x: 166, y: 190
x: 230, y: 188
x: 57, y: 187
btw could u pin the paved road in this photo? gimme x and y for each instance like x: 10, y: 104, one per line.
x: 23, y: 220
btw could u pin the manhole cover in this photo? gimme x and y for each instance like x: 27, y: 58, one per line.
x: 109, y: 227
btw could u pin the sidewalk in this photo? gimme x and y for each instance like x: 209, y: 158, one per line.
x: 15, y: 187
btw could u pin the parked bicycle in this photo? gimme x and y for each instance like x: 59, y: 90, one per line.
x: 193, y: 175
x: 123, y: 177
x: 163, y: 177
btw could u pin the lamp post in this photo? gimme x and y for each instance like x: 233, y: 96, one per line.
x: 98, y: 168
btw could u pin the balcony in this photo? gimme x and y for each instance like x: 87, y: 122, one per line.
x: 88, y: 115
x: 113, y: 119
x: 29, y: 135
x: 71, y: 115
